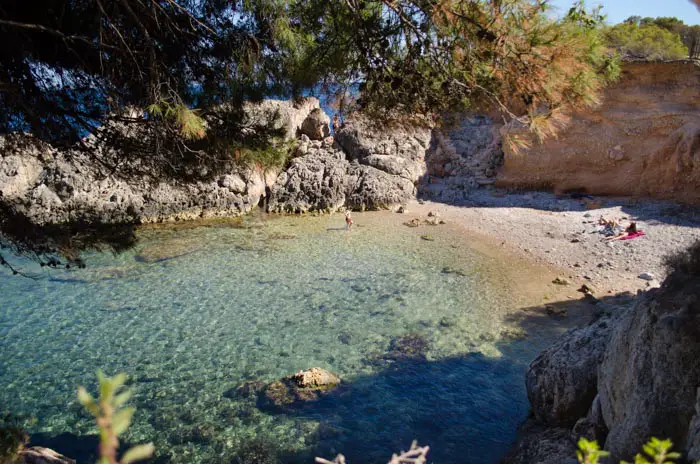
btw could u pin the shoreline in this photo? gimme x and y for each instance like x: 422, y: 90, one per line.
x: 558, y: 233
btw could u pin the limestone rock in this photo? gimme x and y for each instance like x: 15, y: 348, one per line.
x: 397, y: 148
x: 286, y: 116
x: 313, y: 182
x: 316, y: 125
x: 651, y: 371
x: 294, y: 390
x: 369, y: 188
x: 562, y: 381
x: 316, y: 378
x: 50, y: 186
x: 40, y: 455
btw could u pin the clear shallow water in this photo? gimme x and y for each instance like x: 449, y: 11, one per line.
x: 193, y: 312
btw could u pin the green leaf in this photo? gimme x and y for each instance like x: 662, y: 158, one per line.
x: 138, y: 453
x: 119, y: 380
x: 88, y: 402
x: 122, y: 420
x: 122, y: 398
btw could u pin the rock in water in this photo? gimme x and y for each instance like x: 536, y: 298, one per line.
x: 294, y: 390
x: 315, y: 126
x: 316, y: 378
x: 40, y: 455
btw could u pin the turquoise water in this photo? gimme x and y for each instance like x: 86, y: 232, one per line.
x: 192, y: 313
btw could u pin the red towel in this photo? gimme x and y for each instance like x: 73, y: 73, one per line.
x: 639, y: 233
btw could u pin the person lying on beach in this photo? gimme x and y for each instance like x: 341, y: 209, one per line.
x: 629, y: 233
x: 610, y: 227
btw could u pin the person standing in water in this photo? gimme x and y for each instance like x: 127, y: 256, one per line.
x: 348, y: 220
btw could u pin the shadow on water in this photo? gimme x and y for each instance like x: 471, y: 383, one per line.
x: 467, y: 408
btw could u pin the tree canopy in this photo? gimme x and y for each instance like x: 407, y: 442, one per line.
x: 656, y: 38
x: 71, y: 66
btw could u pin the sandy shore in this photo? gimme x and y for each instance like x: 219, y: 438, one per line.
x: 560, y: 232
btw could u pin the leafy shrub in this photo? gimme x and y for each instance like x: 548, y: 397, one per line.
x: 645, y: 41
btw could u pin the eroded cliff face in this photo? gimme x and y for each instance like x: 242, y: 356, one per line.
x: 642, y: 140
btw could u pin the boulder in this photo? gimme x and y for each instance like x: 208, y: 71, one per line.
x: 313, y: 182
x: 370, y: 188
x: 542, y: 445
x: 395, y: 147
x: 650, y: 373
x: 40, y: 455
x: 562, y: 381
x: 316, y: 125
x: 285, y: 116
x: 294, y: 390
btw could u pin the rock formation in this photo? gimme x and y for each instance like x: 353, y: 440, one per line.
x: 642, y: 140
x: 294, y: 390
x: 632, y: 375
x: 39, y: 455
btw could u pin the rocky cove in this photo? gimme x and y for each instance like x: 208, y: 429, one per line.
x: 629, y: 374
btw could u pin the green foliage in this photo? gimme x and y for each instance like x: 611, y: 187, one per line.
x: 273, y: 156
x: 190, y: 125
x: 13, y: 438
x: 589, y: 452
x: 113, y: 419
x: 646, y: 41
x: 656, y: 451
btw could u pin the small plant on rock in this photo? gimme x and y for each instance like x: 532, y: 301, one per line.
x: 656, y: 451
x: 113, y: 419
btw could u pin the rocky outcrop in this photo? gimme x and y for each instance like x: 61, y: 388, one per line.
x: 542, y: 445
x: 295, y: 390
x: 642, y: 140
x: 627, y: 377
x: 563, y: 380
x: 324, y: 180
x: 314, y: 182
x: 395, y: 147
x: 39, y: 455
x: 51, y: 186
x: 287, y: 116
x: 316, y: 125
x: 650, y: 374
x: 464, y: 155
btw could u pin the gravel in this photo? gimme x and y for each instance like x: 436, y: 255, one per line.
x: 561, y: 232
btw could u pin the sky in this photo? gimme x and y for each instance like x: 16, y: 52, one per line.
x: 619, y: 10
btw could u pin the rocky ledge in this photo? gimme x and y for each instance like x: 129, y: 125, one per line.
x: 631, y: 375
x: 366, y: 165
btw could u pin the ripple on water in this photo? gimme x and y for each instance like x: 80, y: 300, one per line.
x: 412, y: 326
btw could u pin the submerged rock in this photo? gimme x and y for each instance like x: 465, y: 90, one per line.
x: 296, y: 389
x: 40, y: 455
